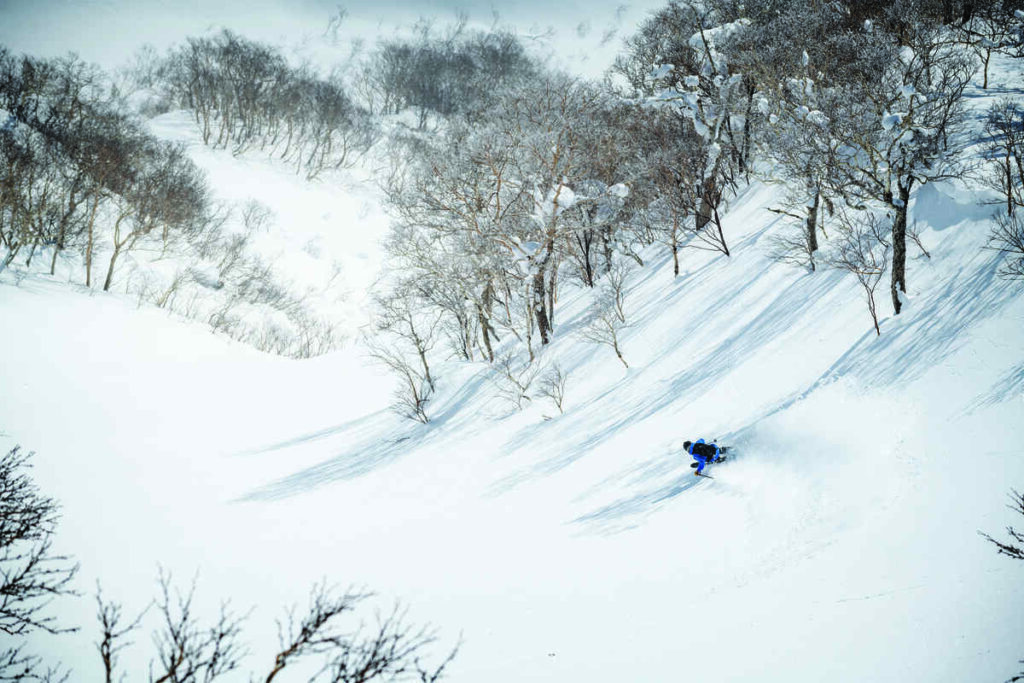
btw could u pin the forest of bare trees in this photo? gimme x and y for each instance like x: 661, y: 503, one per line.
x: 508, y: 181
x: 83, y: 182
x: 847, y: 107
x: 244, y: 95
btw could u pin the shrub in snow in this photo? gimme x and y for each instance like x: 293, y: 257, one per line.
x: 552, y: 385
x: 514, y: 379
x: 1009, y: 548
x: 607, y: 317
x: 1007, y: 237
x: 186, y: 648
x: 407, y: 332
x: 861, y: 249
x: 32, y: 574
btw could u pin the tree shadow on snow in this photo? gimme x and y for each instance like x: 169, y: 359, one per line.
x: 1009, y: 386
x: 926, y: 334
x: 774, y: 319
x: 918, y: 340
x: 629, y: 511
x: 370, y: 444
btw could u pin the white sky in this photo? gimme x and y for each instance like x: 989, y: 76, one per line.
x: 109, y: 31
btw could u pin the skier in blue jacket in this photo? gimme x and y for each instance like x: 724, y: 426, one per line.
x: 703, y: 453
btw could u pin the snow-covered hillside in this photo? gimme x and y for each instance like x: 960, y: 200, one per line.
x: 839, y: 542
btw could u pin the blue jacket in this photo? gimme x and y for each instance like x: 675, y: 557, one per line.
x: 701, y: 459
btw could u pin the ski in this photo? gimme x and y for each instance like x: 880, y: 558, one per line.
x: 706, y: 476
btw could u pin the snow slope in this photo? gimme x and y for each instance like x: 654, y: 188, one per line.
x: 839, y: 544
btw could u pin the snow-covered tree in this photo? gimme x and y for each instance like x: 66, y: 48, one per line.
x: 799, y: 58
x: 903, y: 130
x: 500, y: 206
x: 677, y: 61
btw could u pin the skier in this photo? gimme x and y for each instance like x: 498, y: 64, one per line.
x: 703, y: 453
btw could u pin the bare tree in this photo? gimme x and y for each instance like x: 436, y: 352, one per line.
x: 1011, y: 548
x: 992, y: 26
x: 113, y: 632
x: 31, y: 574
x: 1012, y: 551
x: 164, y: 195
x: 451, y: 72
x: 607, y: 317
x: 861, y: 249
x: 257, y: 217
x: 675, y: 61
x: 390, y: 649
x: 314, y: 632
x: 400, y: 314
x: 244, y: 94
x: 794, y: 246
x: 1007, y: 237
x: 1004, y: 147
x: 903, y: 131
x: 604, y: 328
x: 18, y: 667
x: 552, y: 386
x: 414, y: 391
x: 187, y: 650
x: 514, y: 379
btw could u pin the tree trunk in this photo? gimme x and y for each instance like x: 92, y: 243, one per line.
x: 89, y: 243
x: 606, y: 242
x: 539, y: 306
x: 1009, y: 186
x: 483, y: 316
x: 552, y: 293
x: 721, y: 235
x: 704, y: 213
x: 110, y: 268
x: 745, y: 156
x: 12, y: 252
x: 53, y: 261
x: 583, y: 241
x: 426, y: 368
x: 675, y: 244
x: 615, y: 345
x: 529, y: 320
x: 812, y: 228
x: 899, y: 246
